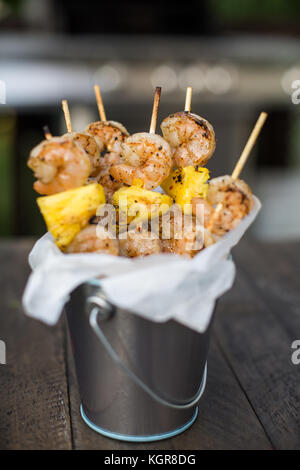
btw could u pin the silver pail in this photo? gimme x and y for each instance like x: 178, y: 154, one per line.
x: 139, y: 380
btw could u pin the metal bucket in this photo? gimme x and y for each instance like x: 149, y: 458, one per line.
x: 139, y: 380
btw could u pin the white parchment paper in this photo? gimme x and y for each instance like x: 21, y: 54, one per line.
x: 158, y: 287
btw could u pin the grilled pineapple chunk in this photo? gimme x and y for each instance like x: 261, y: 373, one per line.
x: 185, y: 183
x: 135, y: 204
x: 66, y: 213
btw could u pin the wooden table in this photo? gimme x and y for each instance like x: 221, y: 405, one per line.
x: 253, y: 390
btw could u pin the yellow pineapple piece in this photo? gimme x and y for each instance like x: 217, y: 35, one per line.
x: 135, y: 204
x: 185, y: 183
x: 68, y: 212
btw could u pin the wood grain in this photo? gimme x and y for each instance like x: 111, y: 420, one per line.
x: 255, y: 329
x: 34, y: 411
x: 274, y: 271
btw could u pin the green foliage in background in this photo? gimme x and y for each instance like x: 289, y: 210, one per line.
x: 14, y: 5
x: 10, y: 8
x: 258, y: 11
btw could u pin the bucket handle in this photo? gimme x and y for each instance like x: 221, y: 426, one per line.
x: 101, y: 304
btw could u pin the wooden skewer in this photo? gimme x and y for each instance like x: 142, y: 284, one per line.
x: 66, y: 110
x: 242, y: 160
x: 47, y: 133
x: 100, y: 103
x: 188, y: 99
x: 155, y: 110
x: 249, y: 145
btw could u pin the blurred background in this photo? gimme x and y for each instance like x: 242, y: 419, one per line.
x: 239, y: 57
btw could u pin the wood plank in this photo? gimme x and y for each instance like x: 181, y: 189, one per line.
x: 225, y: 421
x: 34, y: 411
x: 255, y: 328
x: 274, y: 269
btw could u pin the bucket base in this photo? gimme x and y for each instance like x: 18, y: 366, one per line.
x: 128, y: 438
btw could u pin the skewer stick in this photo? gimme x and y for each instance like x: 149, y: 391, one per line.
x: 100, y: 103
x: 188, y: 99
x: 249, y: 145
x: 242, y: 160
x: 66, y: 110
x: 155, y: 110
x: 47, y: 133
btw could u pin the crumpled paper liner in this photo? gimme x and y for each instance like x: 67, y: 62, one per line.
x: 159, y: 287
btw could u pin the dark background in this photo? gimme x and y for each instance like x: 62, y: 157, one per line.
x: 240, y: 57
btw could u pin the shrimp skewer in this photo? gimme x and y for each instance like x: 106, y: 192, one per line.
x: 88, y: 144
x: 243, y: 158
x: 109, y: 136
x: 235, y: 199
x: 187, y: 236
x: 191, y: 138
x: 94, y: 239
x: 139, y: 242
x: 58, y: 164
x: 147, y: 156
x: 101, y: 141
x: 83, y: 140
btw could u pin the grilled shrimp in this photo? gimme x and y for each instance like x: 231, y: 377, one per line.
x: 139, y: 242
x: 187, y: 236
x: 94, y: 239
x: 191, y: 137
x: 148, y: 157
x: 58, y: 164
x: 89, y: 145
x: 202, y: 209
x: 237, y: 200
x: 109, y: 136
x: 110, y: 185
